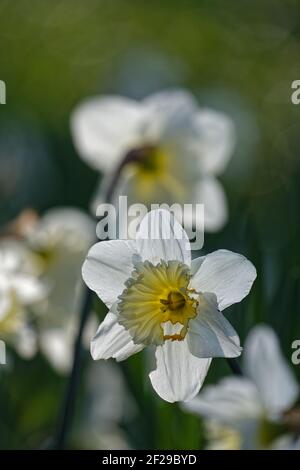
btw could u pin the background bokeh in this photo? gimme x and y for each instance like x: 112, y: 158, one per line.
x: 238, y: 57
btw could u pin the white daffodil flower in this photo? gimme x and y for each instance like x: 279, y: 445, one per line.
x: 20, y: 290
x: 178, y: 149
x: 249, y: 412
x: 60, y: 238
x: 157, y: 296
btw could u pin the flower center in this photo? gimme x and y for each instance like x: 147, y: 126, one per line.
x: 150, y: 159
x: 155, y: 168
x: 175, y: 301
x: 154, y: 296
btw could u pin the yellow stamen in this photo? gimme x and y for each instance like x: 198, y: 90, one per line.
x: 175, y: 301
x: 154, y: 296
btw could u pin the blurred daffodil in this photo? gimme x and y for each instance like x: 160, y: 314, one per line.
x: 176, y: 149
x: 251, y: 412
x: 107, y: 404
x: 60, y: 239
x: 158, y: 297
x: 20, y: 290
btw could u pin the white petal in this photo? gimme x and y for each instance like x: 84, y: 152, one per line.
x: 266, y: 366
x: 216, y: 140
x: 228, y: 275
x: 168, y: 116
x: 230, y: 402
x: 63, y: 227
x: 172, y: 100
x: 179, y: 375
x: 28, y: 289
x: 57, y: 345
x: 170, y: 103
x: 107, y: 267
x: 209, y: 192
x: 161, y: 237
x: 113, y: 340
x: 210, y: 334
x: 196, y: 263
x: 104, y: 129
x: 25, y: 341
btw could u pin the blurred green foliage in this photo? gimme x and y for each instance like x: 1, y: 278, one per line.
x: 240, y: 57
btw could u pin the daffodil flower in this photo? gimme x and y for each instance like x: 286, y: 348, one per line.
x: 157, y: 296
x: 20, y: 290
x: 250, y: 412
x: 176, y: 149
x: 60, y: 239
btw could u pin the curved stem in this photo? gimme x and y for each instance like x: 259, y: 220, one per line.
x: 70, y: 397
x: 134, y: 156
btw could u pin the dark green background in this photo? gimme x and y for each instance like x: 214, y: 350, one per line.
x: 237, y: 56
